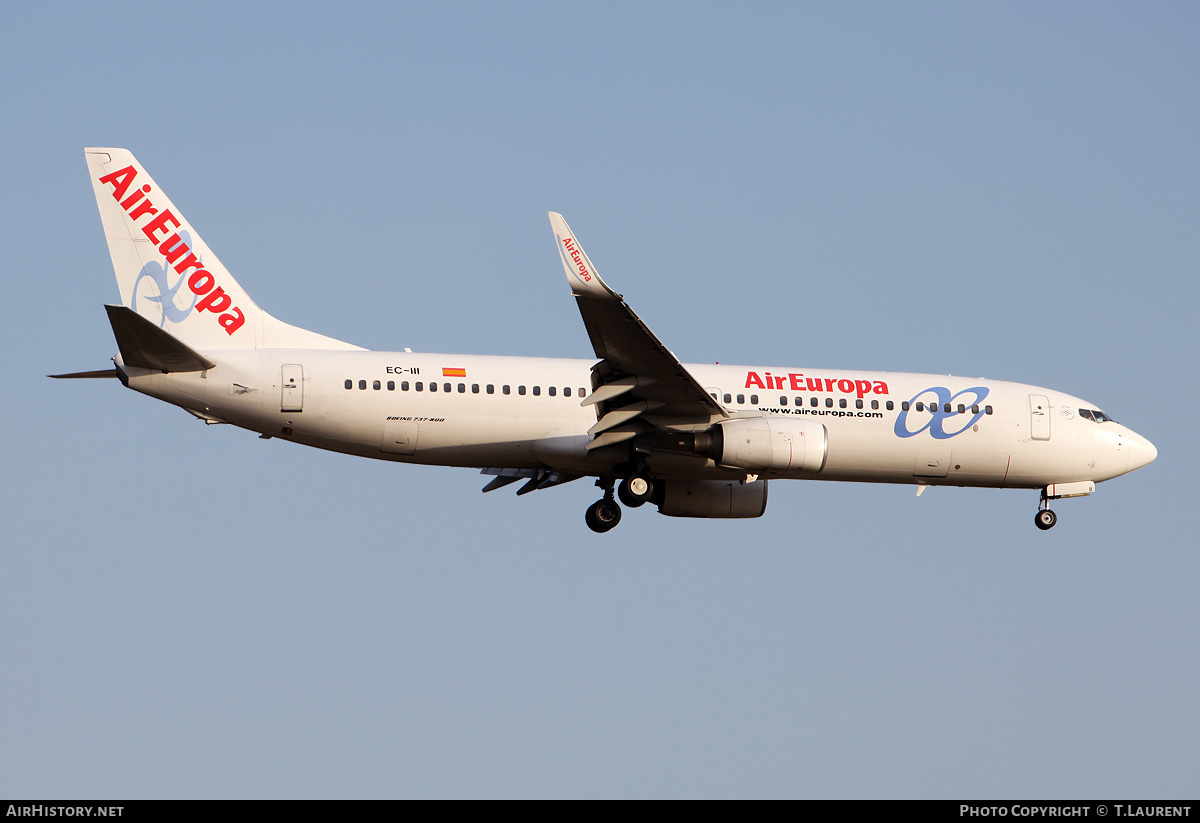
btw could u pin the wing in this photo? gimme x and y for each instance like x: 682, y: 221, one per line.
x: 638, y: 383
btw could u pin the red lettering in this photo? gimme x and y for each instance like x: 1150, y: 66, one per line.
x: 794, y: 382
x: 829, y: 381
x: 201, y: 282
x: 216, y: 302
x: 128, y: 202
x: 159, y: 224
x: 779, y: 381
x: 752, y: 379
x: 846, y: 386
x: 813, y: 383
x: 232, y: 321
x: 583, y: 272
x: 880, y: 387
x: 173, y: 248
x: 120, y: 181
x: 188, y: 262
x: 862, y: 387
x: 144, y: 207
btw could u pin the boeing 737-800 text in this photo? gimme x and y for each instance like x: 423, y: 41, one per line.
x: 696, y: 440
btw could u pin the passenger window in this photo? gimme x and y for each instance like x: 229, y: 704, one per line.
x: 904, y: 406
x: 491, y: 388
x: 537, y: 390
x: 920, y: 406
x: 858, y: 404
x: 728, y: 398
x: 582, y: 393
x: 551, y: 390
x: 445, y: 387
x: 754, y: 399
x: 462, y: 388
x: 521, y: 390
x: 890, y: 406
x: 829, y: 402
x: 433, y: 386
x: 975, y: 409
x: 350, y: 385
x: 813, y: 402
x: 945, y: 408
x: 420, y: 386
x: 376, y: 385
x: 391, y: 385
x: 741, y: 399
x: 403, y: 385
x: 506, y: 390
x: 962, y: 408
x: 474, y: 388
x: 782, y: 400
x: 987, y: 409
x: 874, y: 404
x: 567, y: 392
x: 362, y: 385
x: 841, y: 402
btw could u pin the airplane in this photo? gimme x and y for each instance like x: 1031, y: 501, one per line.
x: 694, y: 440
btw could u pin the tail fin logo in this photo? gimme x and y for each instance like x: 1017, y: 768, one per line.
x: 159, y: 274
x: 176, y: 250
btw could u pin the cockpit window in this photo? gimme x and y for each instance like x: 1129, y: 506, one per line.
x: 1096, y: 416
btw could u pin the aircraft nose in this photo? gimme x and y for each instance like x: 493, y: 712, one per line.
x: 1141, y: 452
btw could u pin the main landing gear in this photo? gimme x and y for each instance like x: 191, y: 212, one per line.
x: 603, y: 515
x: 1044, y: 519
x: 635, y: 490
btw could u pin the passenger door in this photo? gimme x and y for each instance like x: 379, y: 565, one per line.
x: 1039, y: 414
x: 292, y: 394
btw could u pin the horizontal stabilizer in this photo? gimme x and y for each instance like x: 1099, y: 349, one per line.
x: 146, y: 346
x: 78, y: 374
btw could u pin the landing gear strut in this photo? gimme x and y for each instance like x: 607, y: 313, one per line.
x: 604, y: 514
x: 635, y: 490
x: 1044, y: 519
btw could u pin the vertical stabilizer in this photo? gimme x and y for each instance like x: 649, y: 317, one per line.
x: 168, y: 275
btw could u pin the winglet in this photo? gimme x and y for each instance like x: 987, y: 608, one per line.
x: 581, y: 274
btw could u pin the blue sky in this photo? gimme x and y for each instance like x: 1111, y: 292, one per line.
x: 1001, y: 190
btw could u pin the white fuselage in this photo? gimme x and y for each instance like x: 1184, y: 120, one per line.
x: 520, y: 412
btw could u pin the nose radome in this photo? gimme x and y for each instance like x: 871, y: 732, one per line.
x: 1141, y: 452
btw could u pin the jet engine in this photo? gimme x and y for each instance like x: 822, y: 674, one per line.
x: 713, y: 498
x: 771, y: 444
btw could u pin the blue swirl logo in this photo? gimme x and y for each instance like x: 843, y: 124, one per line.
x: 939, y: 399
x: 159, y: 274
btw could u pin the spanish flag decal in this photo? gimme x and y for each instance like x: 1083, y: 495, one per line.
x: 454, y: 372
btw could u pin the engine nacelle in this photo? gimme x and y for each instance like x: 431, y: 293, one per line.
x: 713, y: 498
x: 774, y: 444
